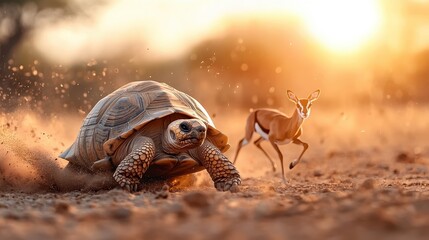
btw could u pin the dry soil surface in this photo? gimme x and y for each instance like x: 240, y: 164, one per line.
x: 354, y: 191
x: 356, y: 200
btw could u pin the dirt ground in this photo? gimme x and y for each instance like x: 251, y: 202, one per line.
x: 363, y: 184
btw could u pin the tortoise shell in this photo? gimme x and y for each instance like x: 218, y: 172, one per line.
x: 128, y: 109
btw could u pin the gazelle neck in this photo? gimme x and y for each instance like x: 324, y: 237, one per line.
x: 296, y: 120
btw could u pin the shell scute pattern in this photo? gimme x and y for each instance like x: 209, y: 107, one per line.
x: 124, y: 109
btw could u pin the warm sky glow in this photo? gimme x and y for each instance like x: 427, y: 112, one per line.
x: 156, y: 29
x: 340, y: 25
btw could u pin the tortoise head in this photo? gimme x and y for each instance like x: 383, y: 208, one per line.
x: 184, y: 134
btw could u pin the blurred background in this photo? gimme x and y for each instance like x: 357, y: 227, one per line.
x: 240, y: 54
x: 365, y: 172
x: 370, y: 58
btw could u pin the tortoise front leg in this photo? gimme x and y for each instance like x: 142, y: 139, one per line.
x: 225, y: 176
x: 131, y: 169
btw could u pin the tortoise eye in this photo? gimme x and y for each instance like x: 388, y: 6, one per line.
x: 184, y: 127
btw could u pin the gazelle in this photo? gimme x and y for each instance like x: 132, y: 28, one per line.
x: 277, y: 128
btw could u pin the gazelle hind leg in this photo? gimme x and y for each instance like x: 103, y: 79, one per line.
x: 241, y: 143
x: 248, y: 132
x: 281, y: 159
x: 305, y: 145
x: 131, y: 169
x: 258, y: 145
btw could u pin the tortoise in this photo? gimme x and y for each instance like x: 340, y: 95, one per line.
x: 148, y: 129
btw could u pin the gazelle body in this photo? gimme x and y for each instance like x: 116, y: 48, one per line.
x: 277, y: 128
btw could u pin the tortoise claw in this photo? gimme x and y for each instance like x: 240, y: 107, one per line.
x: 220, y: 186
x: 127, y: 183
x: 131, y: 187
x: 228, y: 185
x: 234, y: 188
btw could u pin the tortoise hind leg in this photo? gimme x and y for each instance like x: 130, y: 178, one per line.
x: 131, y: 169
x: 74, y: 168
x: 103, y: 165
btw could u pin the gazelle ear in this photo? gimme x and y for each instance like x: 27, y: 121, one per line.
x: 314, y: 96
x: 292, y: 96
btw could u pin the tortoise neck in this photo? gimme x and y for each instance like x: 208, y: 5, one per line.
x: 168, y: 144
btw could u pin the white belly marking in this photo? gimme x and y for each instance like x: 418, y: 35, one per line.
x: 285, y: 141
x: 263, y: 134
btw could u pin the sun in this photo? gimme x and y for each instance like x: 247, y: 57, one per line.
x: 340, y: 25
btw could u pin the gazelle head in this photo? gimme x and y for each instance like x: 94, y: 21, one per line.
x: 303, y: 105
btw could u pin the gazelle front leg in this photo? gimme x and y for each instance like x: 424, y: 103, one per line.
x: 296, y: 161
x: 280, y: 156
x: 131, y: 169
x: 258, y: 145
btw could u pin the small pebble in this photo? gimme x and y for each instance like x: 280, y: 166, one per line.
x: 121, y: 213
x: 62, y: 207
x: 317, y: 173
x: 368, y: 184
x: 404, y: 157
x: 197, y: 200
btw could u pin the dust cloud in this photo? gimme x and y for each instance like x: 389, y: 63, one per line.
x: 29, y: 146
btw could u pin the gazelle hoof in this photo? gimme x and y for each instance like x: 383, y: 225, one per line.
x: 291, y: 165
x: 285, y: 180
